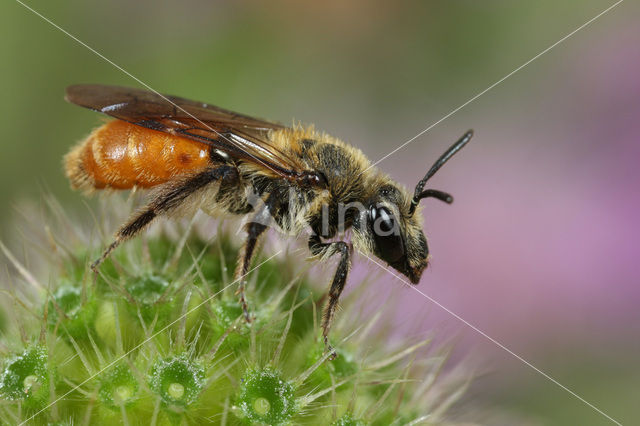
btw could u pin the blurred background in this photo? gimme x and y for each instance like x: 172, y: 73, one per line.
x: 539, y: 249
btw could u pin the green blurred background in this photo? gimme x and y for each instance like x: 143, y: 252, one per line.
x: 376, y: 74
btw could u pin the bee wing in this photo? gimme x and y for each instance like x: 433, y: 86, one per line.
x: 239, y: 136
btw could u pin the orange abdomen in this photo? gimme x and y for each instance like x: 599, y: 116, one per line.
x: 121, y: 155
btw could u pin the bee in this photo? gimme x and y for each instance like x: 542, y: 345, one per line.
x: 296, y: 179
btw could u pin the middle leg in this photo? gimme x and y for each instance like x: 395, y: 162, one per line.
x: 254, y: 230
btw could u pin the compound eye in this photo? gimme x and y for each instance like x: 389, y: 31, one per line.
x: 386, y: 220
x: 386, y: 234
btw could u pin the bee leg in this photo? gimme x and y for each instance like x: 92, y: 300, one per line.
x: 318, y: 248
x: 170, y: 196
x: 254, y: 231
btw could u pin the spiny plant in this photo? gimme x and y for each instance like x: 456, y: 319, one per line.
x: 158, y: 337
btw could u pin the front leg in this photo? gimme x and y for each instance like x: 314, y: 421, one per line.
x: 326, y: 250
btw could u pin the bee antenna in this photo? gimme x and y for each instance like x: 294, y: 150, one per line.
x: 442, y: 196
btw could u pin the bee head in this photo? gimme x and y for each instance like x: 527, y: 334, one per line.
x: 394, y: 228
x: 396, y: 237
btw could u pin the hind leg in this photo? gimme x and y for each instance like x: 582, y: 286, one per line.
x: 171, y: 196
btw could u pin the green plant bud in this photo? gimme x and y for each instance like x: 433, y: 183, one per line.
x: 344, y: 365
x: 195, y: 314
x: 266, y: 397
x: 148, y: 291
x: 228, y: 313
x: 73, y: 316
x: 118, y: 387
x: 348, y: 420
x: 26, y: 377
x: 177, y: 380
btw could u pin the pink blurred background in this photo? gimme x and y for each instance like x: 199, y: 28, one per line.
x: 542, y: 236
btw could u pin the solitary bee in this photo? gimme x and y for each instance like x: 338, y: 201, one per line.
x: 199, y: 156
